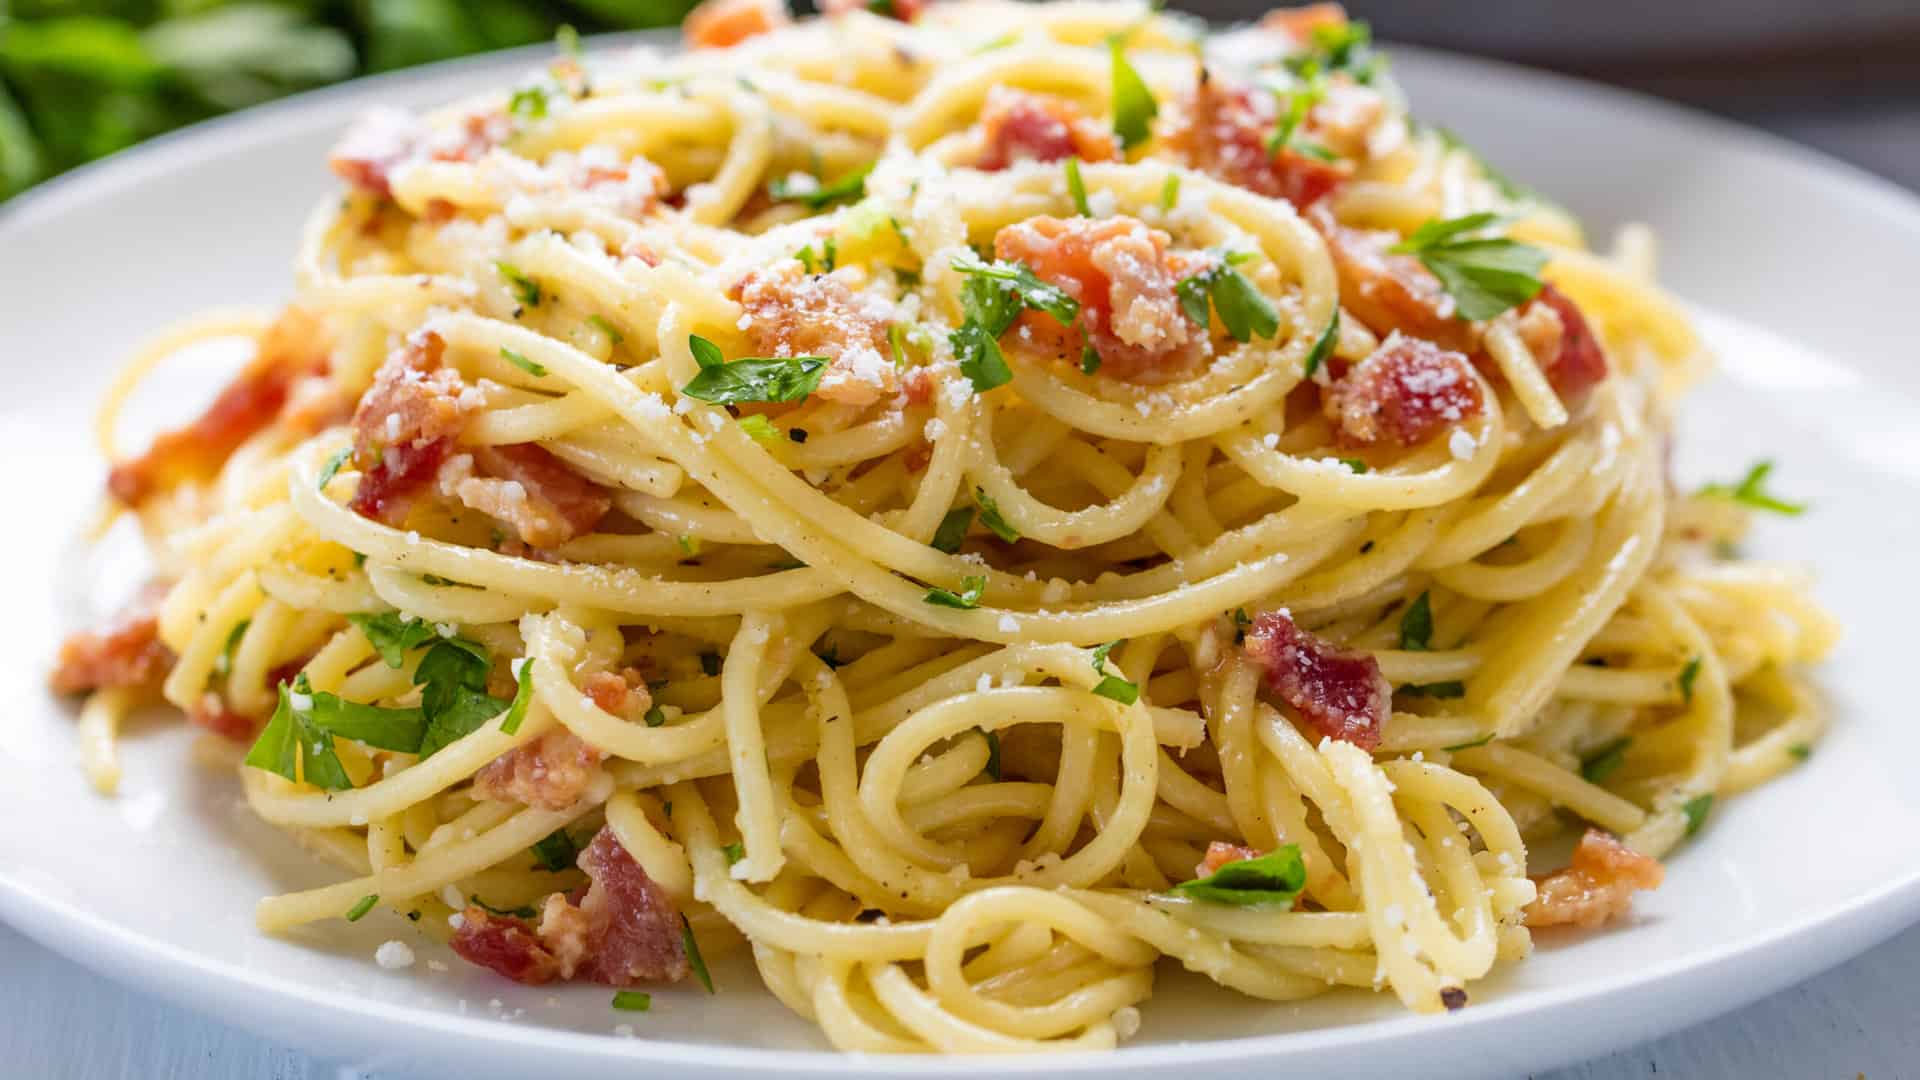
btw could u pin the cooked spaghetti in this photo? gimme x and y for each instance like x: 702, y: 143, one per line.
x: 969, y: 502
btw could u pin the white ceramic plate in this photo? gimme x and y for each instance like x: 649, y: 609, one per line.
x: 1802, y: 271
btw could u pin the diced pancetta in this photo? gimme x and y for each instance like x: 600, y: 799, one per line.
x: 1574, y: 361
x: 624, y: 930
x: 292, y: 347
x: 904, y: 10
x: 1222, y: 130
x: 1219, y: 854
x: 1339, y: 692
x: 793, y: 313
x: 1388, y: 291
x: 212, y: 713
x: 551, y: 772
x: 1123, y: 276
x: 525, y: 486
x: 1020, y: 125
x: 1404, y: 393
x: 127, y: 652
x: 1299, y: 23
x: 404, y: 427
x: 1598, y: 885
x: 623, y: 693
x: 717, y: 24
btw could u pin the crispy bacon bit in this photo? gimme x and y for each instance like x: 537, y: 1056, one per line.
x: 385, y: 139
x: 551, y: 772
x: 1404, y: 392
x: 1341, y: 693
x: 525, y: 486
x: 623, y: 693
x: 919, y: 386
x: 1123, y: 276
x: 404, y: 427
x: 293, y: 346
x: 794, y: 313
x: 1597, y: 887
x: 1019, y: 125
x: 623, y: 931
x: 1388, y: 291
x: 1300, y: 23
x: 904, y: 10
x: 126, y: 652
x: 211, y: 712
x: 717, y: 24
x: 1219, y: 854
x: 1573, y: 358
x: 1222, y: 130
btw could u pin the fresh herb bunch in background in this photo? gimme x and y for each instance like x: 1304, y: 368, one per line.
x: 80, y: 79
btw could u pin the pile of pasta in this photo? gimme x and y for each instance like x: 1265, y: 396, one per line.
x: 968, y: 502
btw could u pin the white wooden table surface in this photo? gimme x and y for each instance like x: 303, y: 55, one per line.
x: 59, y: 1022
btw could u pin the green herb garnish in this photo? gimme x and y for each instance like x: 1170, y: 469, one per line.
x: 971, y: 589
x: 1751, y: 491
x: 1416, y: 625
x: 1485, y: 275
x: 1273, y: 880
x: 753, y: 378
x: 538, y: 371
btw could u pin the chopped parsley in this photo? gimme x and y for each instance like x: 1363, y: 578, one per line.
x: 1133, y: 105
x: 538, y: 371
x: 1273, y: 880
x: 293, y: 746
x: 632, y: 1000
x: 993, y: 297
x: 993, y: 753
x: 1170, y: 191
x: 734, y: 852
x: 752, y: 378
x: 1481, y: 741
x: 1354, y: 465
x: 655, y: 716
x: 694, y: 959
x: 1089, y: 358
x: 359, y: 910
x: 332, y: 468
x: 709, y: 663
x: 529, y: 102
x: 1800, y: 751
x: 223, y: 664
x: 1751, y: 492
x: 968, y: 598
x: 952, y: 530
x: 990, y: 517
x: 1696, y: 810
x: 522, y: 697
x: 393, y: 635
x: 1077, y: 188
x: 1485, y: 275
x: 1242, y: 309
x: 1241, y: 620
x: 1687, y: 675
x: 600, y: 323
x: 1345, y: 47
x: 1112, y: 687
x: 524, y: 287
x: 1416, y: 625
x: 1605, y: 760
x: 1451, y: 688
x: 759, y: 427
x: 847, y: 188
x: 557, y: 852
x: 1323, y: 347
x: 524, y: 911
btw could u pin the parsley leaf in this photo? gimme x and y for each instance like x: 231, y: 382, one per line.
x: 694, y: 959
x: 293, y: 746
x: 632, y: 1000
x: 529, y: 102
x: 223, y: 664
x: 1242, y: 309
x: 517, y: 711
x: 971, y: 589
x: 1696, y: 810
x: 1354, y: 465
x: 993, y: 753
x: 1484, y: 275
x: 359, y: 910
x: 981, y: 360
x: 453, y: 676
x: 1323, y: 348
x: 753, y: 378
x: 557, y: 852
x: 1605, y: 760
x: 1800, y: 751
x: 600, y: 323
x: 1077, y: 188
x: 1687, y: 675
x: 332, y: 468
x: 1089, y: 358
x: 655, y: 716
x: 522, y: 912
x: 847, y: 188
x: 1416, y: 625
x: 1481, y: 741
x: 952, y: 530
x: 1346, y: 46
x: 1018, y: 280
x: 759, y: 428
x: 990, y: 517
x: 1751, y: 491
x: 1133, y: 105
x: 1273, y: 880
x: 521, y: 362
x: 1112, y: 687
x: 1170, y: 191
x: 384, y: 729
x: 524, y: 287
x: 734, y: 852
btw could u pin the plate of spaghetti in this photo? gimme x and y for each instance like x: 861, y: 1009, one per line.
x: 1055, y: 531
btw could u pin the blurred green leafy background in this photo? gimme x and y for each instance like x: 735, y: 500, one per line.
x: 80, y: 79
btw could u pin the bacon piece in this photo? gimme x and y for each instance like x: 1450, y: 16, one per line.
x: 551, y: 772
x: 624, y: 930
x: 718, y: 24
x: 794, y: 313
x: 1222, y: 130
x: 504, y: 945
x: 905, y: 10
x: 623, y: 693
x: 1597, y: 887
x: 919, y: 386
x: 211, y: 712
x: 127, y: 652
x: 404, y: 426
x: 1341, y: 693
x: 1404, y: 392
x: 1219, y: 854
x: 1020, y: 125
x: 294, y: 345
x: 1299, y: 23
x: 524, y: 485
x: 1575, y: 363
x: 1389, y: 291
x: 1123, y: 276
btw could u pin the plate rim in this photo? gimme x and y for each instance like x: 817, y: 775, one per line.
x: 156, y: 965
